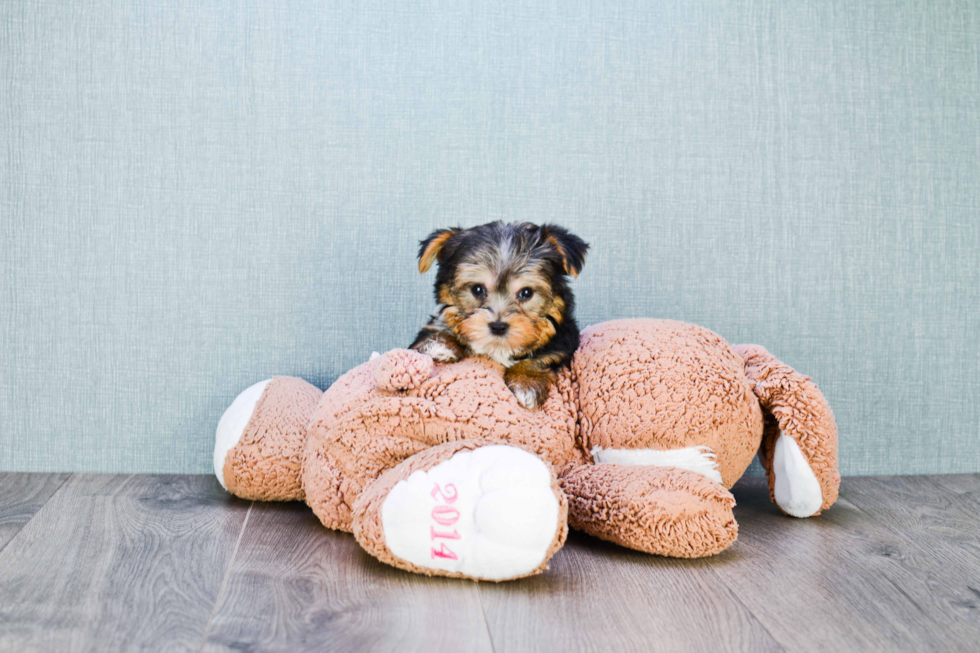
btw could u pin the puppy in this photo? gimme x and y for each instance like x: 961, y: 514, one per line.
x: 502, y: 292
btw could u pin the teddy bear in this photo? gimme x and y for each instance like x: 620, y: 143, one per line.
x: 438, y: 469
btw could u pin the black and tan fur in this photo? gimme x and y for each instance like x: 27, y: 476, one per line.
x: 502, y: 292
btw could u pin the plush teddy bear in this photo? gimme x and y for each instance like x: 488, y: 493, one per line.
x: 438, y: 469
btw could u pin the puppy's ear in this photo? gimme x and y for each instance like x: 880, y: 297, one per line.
x: 570, y: 247
x: 430, y: 249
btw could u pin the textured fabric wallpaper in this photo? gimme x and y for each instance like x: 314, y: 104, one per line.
x: 197, y: 195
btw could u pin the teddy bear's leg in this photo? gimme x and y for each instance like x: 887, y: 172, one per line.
x: 464, y: 509
x: 260, y: 438
x: 348, y: 452
x: 799, y: 444
x: 663, y: 510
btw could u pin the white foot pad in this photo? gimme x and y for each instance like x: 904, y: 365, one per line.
x: 797, y: 489
x: 487, y: 513
x: 232, y: 425
x: 698, y: 459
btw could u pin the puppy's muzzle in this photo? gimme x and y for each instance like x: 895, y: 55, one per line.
x: 498, y: 328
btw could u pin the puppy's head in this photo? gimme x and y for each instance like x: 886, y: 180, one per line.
x: 503, y: 287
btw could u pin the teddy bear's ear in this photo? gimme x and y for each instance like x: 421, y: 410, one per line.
x: 430, y: 249
x: 570, y: 247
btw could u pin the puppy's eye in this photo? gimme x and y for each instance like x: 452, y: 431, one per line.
x: 525, y: 294
x: 479, y: 291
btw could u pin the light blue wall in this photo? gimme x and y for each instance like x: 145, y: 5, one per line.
x: 196, y: 197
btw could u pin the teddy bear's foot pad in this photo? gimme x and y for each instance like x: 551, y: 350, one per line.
x: 797, y: 490
x: 493, y: 513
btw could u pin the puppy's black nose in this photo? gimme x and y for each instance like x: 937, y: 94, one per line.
x: 499, y: 328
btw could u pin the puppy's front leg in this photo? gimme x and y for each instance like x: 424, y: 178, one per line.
x: 529, y: 380
x: 438, y: 343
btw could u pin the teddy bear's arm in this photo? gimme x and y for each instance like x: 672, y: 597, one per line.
x: 260, y: 439
x: 663, y: 510
x: 799, y: 444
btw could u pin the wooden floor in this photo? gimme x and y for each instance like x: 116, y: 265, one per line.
x: 107, y: 563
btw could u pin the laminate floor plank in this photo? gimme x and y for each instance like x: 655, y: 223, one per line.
x: 842, y: 580
x: 297, y: 586
x: 114, y: 563
x: 601, y: 597
x: 938, y: 524
x: 923, y: 509
x: 21, y: 496
x: 964, y: 486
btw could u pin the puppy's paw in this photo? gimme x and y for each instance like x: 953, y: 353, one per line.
x: 439, y: 345
x: 529, y: 395
x: 529, y: 383
x: 440, y: 351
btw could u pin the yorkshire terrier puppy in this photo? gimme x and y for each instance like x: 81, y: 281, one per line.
x: 502, y: 292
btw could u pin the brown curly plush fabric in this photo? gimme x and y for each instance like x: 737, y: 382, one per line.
x: 663, y: 510
x: 266, y: 463
x: 402, y: 369
x: 659, y: 384
x: 801, y: 412
x: 367, y: 510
